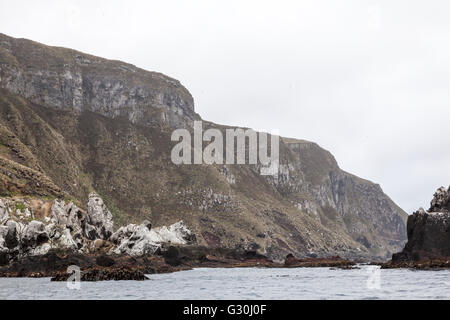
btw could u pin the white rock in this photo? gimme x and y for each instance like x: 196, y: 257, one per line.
x: 27, y: 213
x: 60, y: 237
x: 58, y: 212
x: 3, y: 233
x: 33, y: 235
x: 99, y: 216
x: 176, y: 233
x: 40, y: 250
x: 138, y: 240
x: 66, y: 215
x: 4, y: 216
x: 12, y: 235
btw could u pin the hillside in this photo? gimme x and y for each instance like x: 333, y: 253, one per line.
x: 72, y: 123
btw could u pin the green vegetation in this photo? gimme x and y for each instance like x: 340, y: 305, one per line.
x: 20, y: 206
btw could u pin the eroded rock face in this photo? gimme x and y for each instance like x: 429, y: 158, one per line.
x: 4, y: 216
x: 84, y: 82
x: 67, y: 215
x: 33, y: 235
x: 64, y: 228
x: 441, y: 200
x: 138, y: 240
x: 428, y: 231
x: 99, y: 217
x: 69, y: 228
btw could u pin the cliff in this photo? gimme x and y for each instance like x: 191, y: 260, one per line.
x: 67, y: 79
x: 428, y: 231
x: 72, y: 123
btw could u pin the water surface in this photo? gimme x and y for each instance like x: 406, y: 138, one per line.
x: 248, y: 283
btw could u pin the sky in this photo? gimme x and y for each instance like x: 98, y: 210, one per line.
x: 367, y: 80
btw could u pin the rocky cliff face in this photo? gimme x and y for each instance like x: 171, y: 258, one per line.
x: 67, y: 79
x: 428, y: 231
x: 71, y: 123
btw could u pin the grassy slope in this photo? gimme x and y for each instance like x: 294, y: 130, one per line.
x: 129, y: 165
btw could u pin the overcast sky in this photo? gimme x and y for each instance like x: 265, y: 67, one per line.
x: 367, y: 80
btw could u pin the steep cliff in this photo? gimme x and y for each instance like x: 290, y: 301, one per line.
x: 428, y: 231
x: 72, y: 123
x: 67, y: 79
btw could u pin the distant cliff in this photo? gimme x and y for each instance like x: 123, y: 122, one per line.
x: 72, y: 123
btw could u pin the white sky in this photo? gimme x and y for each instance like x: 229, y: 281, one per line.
x: 367, y: 80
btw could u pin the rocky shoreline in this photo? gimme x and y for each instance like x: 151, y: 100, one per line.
x: 44, y: 243
x: 172, y: 259
x: 418, y: 265
x: 43, y: 239
x: 428, y: 245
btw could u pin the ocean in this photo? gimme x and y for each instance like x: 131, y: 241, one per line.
x: 368, y: 282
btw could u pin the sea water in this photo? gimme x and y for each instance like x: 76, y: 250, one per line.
x: 367, y: 282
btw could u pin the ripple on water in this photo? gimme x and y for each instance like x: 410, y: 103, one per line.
x: 245, y: 283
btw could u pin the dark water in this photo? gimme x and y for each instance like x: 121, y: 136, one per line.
x: 248, y: 283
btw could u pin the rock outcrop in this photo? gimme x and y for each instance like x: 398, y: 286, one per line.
x: 99, y: 217
x: 104, y: 274
x: 428, y: 231
x: 70, y: 229
x: 139, y: 240
x: 337, y: 262
x: 24, y: 233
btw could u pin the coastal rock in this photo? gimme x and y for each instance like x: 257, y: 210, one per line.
x: 176, y: 233
x: 4, y: 216
x: 441, y: 201
x: 335, y: 261
x: 104, y: 261
x: 67, y: 215
x: 428, y: 231
x: 99, y: 217
x: 12, y: 237
x: 70, y: 229
x: 104, y: 274
x: 56, y: 263
x: 138, y: 240
x: 63, y: 226
x: 62, y: 238
x: 33, y: 235
x: 3, y: 233
x: 9, y: 240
